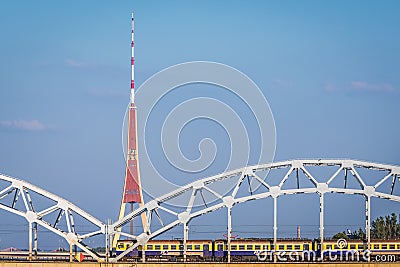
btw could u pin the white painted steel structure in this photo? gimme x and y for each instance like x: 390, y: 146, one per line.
x: 13, y: 191
x: 170, y: 216
x: 231, y: 197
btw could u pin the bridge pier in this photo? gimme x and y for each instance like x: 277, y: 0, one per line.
x: 33, y: 247
x: 321, y: 223
x: 368, y: 222
x: 107, y: 239
x: 30, y: 241
x: 229, y: 233
x: 275, y: 226
x: 35, y: 240
x: 185, y: 238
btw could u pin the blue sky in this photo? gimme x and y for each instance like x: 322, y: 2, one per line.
x: 330, y: 71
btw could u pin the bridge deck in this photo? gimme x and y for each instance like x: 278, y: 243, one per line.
x: 196, y: 264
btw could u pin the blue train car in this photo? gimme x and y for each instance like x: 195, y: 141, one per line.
x: 123, y: 245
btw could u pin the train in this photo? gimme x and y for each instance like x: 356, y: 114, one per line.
x: 255, y: 250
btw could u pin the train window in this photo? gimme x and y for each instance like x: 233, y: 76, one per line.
x: 241, y: 247
x: 121, y: 246
x: 150, y: 247
x: 165, y: 247
x: 157, y: 247
x: 233, y: 247
x: 297, y: 247
x: 189, y: 247
x: 392, y: 246
x: 173, y: 247
x: 384, y: 246
x: 249, y: 247
x: 376, y: 246
x: 220, y: 247
x: 306, y: 247
x: 197, y: 247
x: 281, y: 247
x: 257, y: 247
x: 272, y: 247
x: 352, y: 246
x: 289, y: 247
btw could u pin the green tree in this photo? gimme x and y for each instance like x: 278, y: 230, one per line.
x: 340, y: 235
x: 385, y: 228
x: 394, y: 226
x: 360, y: 234
x: 377, y: 228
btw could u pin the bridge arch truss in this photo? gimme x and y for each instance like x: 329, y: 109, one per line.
x: 40, y: 207
x: 16, y: 196
x: 163, y: 216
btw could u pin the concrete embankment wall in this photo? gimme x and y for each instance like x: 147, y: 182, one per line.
x: 58, y: 264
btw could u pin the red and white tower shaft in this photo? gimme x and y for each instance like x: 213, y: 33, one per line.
x: 132, y: 192
x: 132, y: 188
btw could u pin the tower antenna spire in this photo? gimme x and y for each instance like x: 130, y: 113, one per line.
x: 132, y: 192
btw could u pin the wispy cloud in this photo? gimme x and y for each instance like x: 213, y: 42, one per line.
x: 75, y: 64
x: 32, y: 125
x: 365, y: 86
x: 360, y: 86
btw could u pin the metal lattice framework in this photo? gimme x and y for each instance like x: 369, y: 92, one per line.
x: 317, y: 185
x: 58, y: 216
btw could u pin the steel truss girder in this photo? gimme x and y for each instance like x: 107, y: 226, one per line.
x: 20, y: 190
x: 230, y: 199
x: 63, y: 209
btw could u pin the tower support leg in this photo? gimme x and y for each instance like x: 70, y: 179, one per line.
x: 143, y: 253
x: 71, y: 258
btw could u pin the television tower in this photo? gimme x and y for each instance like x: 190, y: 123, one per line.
x: 132, y: 192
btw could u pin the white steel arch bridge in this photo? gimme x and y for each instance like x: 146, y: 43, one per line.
x: 163, y: 216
